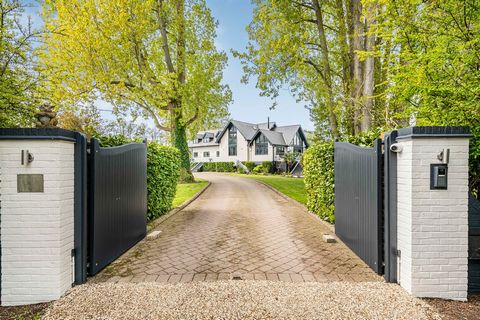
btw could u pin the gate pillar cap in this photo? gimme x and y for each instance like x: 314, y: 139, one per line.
x: 434, y: 132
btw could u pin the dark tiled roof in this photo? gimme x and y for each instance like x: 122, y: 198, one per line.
x: 275, y: 138
x: 288, y: 132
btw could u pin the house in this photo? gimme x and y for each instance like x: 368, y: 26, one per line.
x: 242, y: 141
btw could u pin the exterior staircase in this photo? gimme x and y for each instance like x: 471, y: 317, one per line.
x: 197, y: 166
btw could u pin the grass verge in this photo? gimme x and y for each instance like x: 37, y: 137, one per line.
x: 291, y: 187
x: 185, y: 191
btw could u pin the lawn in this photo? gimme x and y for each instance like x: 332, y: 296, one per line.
x: 186, y: 191
x: 291, y: 187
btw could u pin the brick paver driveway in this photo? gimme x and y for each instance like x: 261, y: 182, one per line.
x: 239, y: 228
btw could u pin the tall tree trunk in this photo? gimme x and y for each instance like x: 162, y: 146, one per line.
x: 358, y: 29
x: 368, y: 73
x: 327, y: 73
x: 179, y: 129
x: 343, y: 39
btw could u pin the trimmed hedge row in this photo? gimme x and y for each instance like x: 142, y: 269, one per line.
x: 163, y: 170
x: 218, y: 167
x: 318, y: 172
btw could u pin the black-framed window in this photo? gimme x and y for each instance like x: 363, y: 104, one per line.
x: 195, y: 154
x: 297, y: 143
x: 232, y: 141
x: 261, y: 145
x: 218, y: 154
x: 206, y: 154
x: 280, y: 151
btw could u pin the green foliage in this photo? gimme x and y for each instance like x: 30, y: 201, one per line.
x: 290, y: 157
x: 157, y: 58
x: 318, y: 170
x: 114, y: 140
x: 258, y: 169
x: 163, y: 166
x: 267, y: 167
x: 18, y: 79
x: 366, y: 138
x: 163, y: 172
x: 218, y: 167
x: 250, y: 165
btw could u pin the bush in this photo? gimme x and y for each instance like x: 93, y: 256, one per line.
x: 318, y: 170
x: 163, y: 170
x: 267, y: 166
x: 218, y: 167
x: 258, y: 169
x: 250, y: 165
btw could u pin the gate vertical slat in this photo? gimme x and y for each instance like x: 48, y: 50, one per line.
x: 117, y: 201
x: 358, y: 200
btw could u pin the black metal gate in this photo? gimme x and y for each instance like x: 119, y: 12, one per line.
x: 358, y: 200
x: 117, y: 201
x: 473, y: 245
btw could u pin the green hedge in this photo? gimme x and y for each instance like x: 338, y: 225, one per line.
x: 250, y: 165
x: 163, y: 169
x: 218, y: 167
x: 318, y: 171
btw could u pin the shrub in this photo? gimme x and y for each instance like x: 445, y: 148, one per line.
x: 258, y: 169
x: 267, y: 166
x: 250, y: 165
x: 218, y: 167
x: 163, y: 170
x: 318, y: 170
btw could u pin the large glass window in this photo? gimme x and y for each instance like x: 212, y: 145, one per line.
x: 206, y: 154
x: 232, y: 141
x: 297, y: 143
x: 195, y: 154
x: 261, y: 145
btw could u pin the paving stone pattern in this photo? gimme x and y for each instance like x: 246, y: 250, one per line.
x: 239, y: 229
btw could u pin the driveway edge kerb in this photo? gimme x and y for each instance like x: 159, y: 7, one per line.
x: 155, y: 223
x: 331, y: 227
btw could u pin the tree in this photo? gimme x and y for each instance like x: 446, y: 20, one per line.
x: 17, y: 75
x: 157, y: 55
x: 322, y: 51
x: 290, y: 157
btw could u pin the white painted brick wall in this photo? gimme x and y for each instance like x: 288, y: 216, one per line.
x: 433, y: 224
x: 36, y: 228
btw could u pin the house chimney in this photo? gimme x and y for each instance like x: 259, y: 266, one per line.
x: 268, y: 123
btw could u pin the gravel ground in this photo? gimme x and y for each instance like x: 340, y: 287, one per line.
x: 240, y: 300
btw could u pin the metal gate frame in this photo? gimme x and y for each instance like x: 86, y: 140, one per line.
x: 358, y: 207
x: 117, y: 201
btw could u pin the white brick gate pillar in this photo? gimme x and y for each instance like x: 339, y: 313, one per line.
x: 432, y: 211
x: 37, y: 215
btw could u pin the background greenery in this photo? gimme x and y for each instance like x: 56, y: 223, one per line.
x: 218, y: 167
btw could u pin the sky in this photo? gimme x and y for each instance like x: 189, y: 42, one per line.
x: 233, y: 16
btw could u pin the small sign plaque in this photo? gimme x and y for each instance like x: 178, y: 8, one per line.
x: 29, y: 183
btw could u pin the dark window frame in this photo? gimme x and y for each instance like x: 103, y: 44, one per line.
x: 261, y: 145
x: 195, y: 154
x: 206, y: 154
x: 232, y: 141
